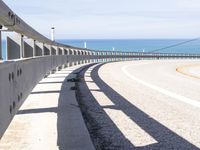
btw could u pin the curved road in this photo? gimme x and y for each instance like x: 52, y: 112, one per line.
x: 152, y: 104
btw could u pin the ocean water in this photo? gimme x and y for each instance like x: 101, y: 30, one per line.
x: 137, y: 45
x: 132, y: 45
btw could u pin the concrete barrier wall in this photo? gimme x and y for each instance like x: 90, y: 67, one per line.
x: 17, y: 79
x: 7, y: 80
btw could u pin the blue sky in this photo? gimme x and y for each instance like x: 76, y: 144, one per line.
x: 88, y: 19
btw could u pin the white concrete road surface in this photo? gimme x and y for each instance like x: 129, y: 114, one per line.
x: 154, y: 104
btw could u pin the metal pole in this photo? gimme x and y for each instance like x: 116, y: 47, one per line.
x: 22, y: 47
x: 0, y: 47
x: 43, y: 47
x: 53, y: 34
x: 34, y: 48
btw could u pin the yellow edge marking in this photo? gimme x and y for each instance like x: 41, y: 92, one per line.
x: 180, y: 70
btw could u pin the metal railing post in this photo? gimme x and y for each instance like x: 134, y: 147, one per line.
x: 34, y: 48
x: 0, y: 46
x: 22, y: 52
x: 43, y: 49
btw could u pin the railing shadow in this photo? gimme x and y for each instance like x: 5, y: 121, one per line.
x: 39, y: 110
x: 166, y: 138
x: 101, y: 127
x: 62, y: 110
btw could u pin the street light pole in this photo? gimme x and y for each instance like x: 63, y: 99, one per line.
x: 53, y: 34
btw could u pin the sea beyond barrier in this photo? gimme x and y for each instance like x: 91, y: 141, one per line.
x: 132, y: 45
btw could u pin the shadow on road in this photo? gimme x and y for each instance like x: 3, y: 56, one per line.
x: 166, y: 138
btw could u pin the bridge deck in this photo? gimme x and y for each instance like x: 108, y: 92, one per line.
x: 50, y: 118
x: 144, y: 104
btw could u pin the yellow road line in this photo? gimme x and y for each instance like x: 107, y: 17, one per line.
x: 181, y: 70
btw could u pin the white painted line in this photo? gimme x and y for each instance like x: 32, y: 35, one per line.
x: 181, y: 98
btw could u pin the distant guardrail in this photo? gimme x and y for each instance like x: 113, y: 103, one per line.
x: 30, y: 56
